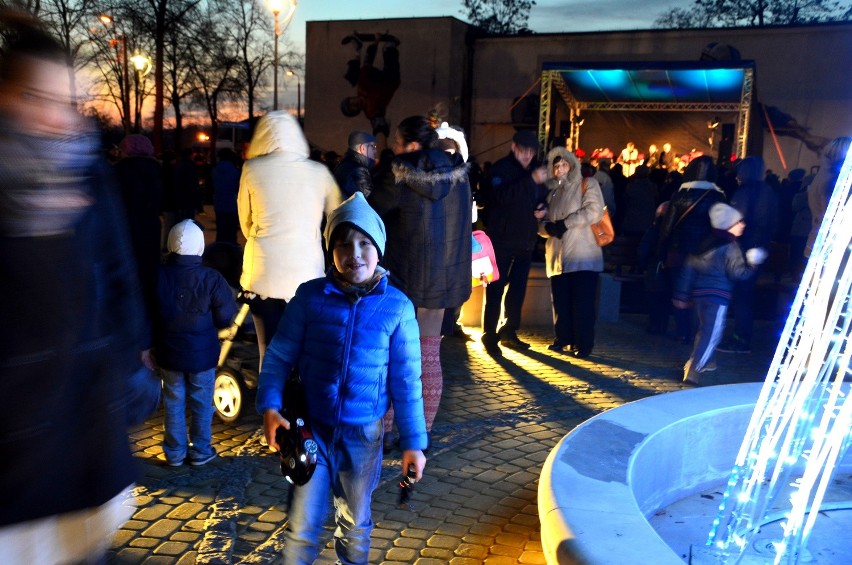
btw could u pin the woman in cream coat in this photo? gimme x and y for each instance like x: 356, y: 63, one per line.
x: 573, y: 259
x: 281, y: 203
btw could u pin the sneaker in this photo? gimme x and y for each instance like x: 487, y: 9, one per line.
x: 203, y: 461
x: 733, y: 346
x: 174, y: 463
x: 709, y: 367
x: 512, y: 342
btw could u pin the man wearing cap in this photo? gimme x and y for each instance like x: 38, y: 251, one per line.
x: 511, y: 194
x: 353, y: 172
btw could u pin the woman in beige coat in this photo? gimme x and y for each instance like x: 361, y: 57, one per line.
x: 573, y: 259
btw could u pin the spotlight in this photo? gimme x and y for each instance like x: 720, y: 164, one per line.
x: 714, y: 123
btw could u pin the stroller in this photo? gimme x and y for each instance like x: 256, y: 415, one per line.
x: 233, y: 378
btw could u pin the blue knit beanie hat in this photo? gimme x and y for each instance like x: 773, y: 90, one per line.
x: 356, y: 212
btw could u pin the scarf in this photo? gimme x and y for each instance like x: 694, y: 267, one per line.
x: 43, y: 188
x: 357, y: 291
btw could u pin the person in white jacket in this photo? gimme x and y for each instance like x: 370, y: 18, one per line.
x: 281, y: 203
x: 573, y: 259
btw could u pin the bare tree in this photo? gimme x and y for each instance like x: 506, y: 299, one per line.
x: 499, y: 17
x: 213, y: 60
x: 745, y: 13
x: 180, y: 77
x: 248, y: 26
x: 162, y: 14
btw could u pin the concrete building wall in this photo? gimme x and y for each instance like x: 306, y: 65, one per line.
x: 803, y: 71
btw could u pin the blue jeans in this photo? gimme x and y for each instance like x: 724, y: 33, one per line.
x: 195, y: 389
x: 349, y: 464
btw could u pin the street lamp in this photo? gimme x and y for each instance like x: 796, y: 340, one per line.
x: 124, y: 78
x: 292, y: 73
x: 142, y: 65
x: 288, y: 7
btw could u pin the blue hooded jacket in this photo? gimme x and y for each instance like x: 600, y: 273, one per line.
x: 354, y: 355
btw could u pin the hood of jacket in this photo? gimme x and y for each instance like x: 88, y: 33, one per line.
x: 574, y: 175
x: 423, y: 170
x: 700, y: 185
x: 278, y: 131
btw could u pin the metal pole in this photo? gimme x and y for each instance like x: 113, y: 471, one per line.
x: 275, y: 67
x: 126, y: 80
x: 299, y: 99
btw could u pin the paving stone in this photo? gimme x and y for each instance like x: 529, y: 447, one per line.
x: 436, y: 553
x: 442, y: 541
x: 187, y: 537
x: 471, y: 550
x: 153, y: 512
x: 162, y: 528
x: 402, y: 554
x: 186, y: 511
x: 144, y: 542
x: 532, y: 558
x: 171, y: 548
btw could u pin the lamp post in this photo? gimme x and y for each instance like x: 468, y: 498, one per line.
x: 124, y: 78
x: 277, y: 7
x: 292, y: 73
x: 142, y: 65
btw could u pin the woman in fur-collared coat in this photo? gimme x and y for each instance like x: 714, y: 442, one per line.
x: 425, y: 204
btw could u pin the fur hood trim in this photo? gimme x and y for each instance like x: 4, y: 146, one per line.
x: 405, y: 173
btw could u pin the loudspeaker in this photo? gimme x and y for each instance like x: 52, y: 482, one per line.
x: 726, y: 145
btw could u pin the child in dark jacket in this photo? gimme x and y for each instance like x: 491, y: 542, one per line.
x: 355, y: 341
x: 707, y: 280
x: 193, y: 303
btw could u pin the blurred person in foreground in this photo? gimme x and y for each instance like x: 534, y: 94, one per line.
x: 70, y: 306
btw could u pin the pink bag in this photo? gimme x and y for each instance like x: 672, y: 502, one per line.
x: 484, y: 265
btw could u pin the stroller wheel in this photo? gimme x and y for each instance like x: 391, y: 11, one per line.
x: 228, y: 394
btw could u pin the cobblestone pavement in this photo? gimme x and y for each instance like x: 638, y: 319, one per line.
x: 498, y: 421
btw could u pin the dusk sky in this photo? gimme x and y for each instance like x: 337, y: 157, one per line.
x: 547, y: 16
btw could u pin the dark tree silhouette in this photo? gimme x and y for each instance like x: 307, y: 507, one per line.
x: 747, y: 13
x: 499, y: 17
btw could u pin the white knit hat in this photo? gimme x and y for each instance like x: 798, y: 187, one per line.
x: 186, y: 238
x: 723, y: 217
x: 447, y: 132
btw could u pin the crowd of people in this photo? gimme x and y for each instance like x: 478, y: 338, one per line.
x: 350, y: 268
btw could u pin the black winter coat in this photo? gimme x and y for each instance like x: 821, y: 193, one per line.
x: 353, y: 174
x: 72, y: 320
x: 194, y: 302
x: 683, y: 229
x: 509, y: 198
x: 758, y: 204
x: 425, y: 204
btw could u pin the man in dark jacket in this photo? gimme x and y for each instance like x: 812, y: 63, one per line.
x: 758, y: 204
x: 512, y: 192
x: 353, y: 173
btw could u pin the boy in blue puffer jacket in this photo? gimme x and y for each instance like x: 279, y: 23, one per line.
x: 355, y: 341
x: 193, y: 303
